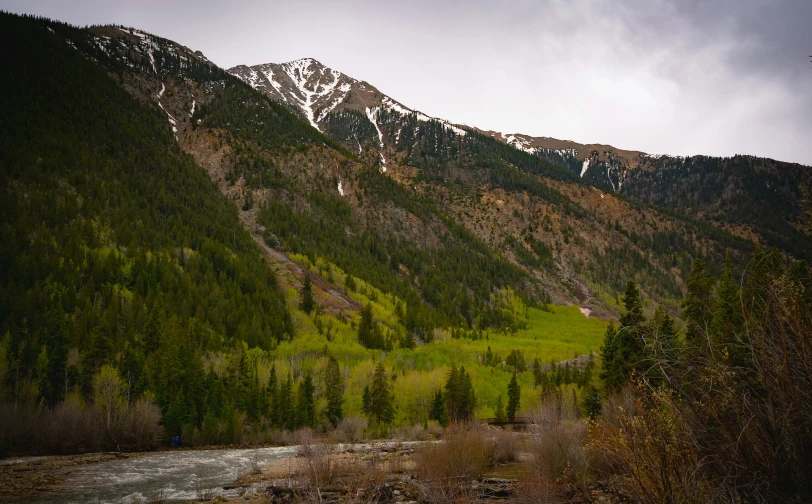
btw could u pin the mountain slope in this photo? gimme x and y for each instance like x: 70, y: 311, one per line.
x: 752, y: 197
x: 115, y: 245
x: 531, y: 208
x: 318, y: 91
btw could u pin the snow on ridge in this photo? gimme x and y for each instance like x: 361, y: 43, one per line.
x: 521, y: 143
x: 560, y: 152
x: 137, y: 33
x: 397, y: 107
x: 371, y: 112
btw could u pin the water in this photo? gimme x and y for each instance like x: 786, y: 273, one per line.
x: 178, y: 474
x: 18, y: 460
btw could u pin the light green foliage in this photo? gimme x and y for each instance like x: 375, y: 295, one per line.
x: 107, y: 390
x: 556, y: 334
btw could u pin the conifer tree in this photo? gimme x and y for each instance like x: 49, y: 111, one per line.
x: 334, y: 390
x: 727, y: 317
x: 489, y: 359
x: 307, y: 304
x: 305, y: 403
x: 381, y: 406
x: 592, y: 402
x: 630, y: 338
x: 537, y: 374
x: 460, y: 399
x: 369, y: 332
x: 697, y: 306
x: 611, y: 372
x: 438, y: 409
x: 516, y: 360
x: 467, y: 399
x: 514, y: 398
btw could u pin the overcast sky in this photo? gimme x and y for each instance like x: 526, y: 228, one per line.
x: 717, y: 77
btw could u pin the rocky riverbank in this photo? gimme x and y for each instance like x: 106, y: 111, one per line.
x: 28, y: 478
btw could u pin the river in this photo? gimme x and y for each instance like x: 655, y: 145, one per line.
x: 177, y: 474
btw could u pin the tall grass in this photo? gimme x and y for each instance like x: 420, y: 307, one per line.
x: 446, y: 469
x: 559, y: 460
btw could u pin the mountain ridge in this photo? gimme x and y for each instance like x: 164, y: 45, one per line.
x: 676, y: 182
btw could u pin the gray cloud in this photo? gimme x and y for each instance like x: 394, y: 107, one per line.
x: 718, y: 77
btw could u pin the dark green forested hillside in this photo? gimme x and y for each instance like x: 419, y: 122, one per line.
x: 114, y: 243
x: 744, y: 190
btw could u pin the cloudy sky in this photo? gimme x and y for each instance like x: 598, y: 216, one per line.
x: 717, y: 77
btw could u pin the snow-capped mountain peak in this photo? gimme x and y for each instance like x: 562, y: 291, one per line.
x: 317, y: 90
x: 304, y: 83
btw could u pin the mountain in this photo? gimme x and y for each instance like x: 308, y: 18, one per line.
x: 572, y: 239
x: 321, y: 93
x: 162, y: 215
x: 185, y: 255
x: 755, y: 198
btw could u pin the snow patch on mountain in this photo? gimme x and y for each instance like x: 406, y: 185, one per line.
x: 313, y: 82
x: 520, y: 143
x: 397, y: 107
x: 371, y: 113
x: 584, y: 168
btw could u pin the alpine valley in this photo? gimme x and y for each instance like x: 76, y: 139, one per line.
x: 229, y: 255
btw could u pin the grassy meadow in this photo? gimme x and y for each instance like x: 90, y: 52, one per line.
x: 555, y: 335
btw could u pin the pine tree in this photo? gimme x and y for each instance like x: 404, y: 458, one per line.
x: 334, y: 390
x: 307, y: 304
x: 629, y: 344
x: 592, y: 402
x: 514, y: 398
x: 516, y: 360
x: 349, y: 283
x: 369, y: 333
x: 537, y: 373
x: 467, y: 398
x: 727, y: 317
x: 611, y: 372
x: 305, y: 403
x: 438, y: 409
x: 381, y: 406
x: 697, y: 306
